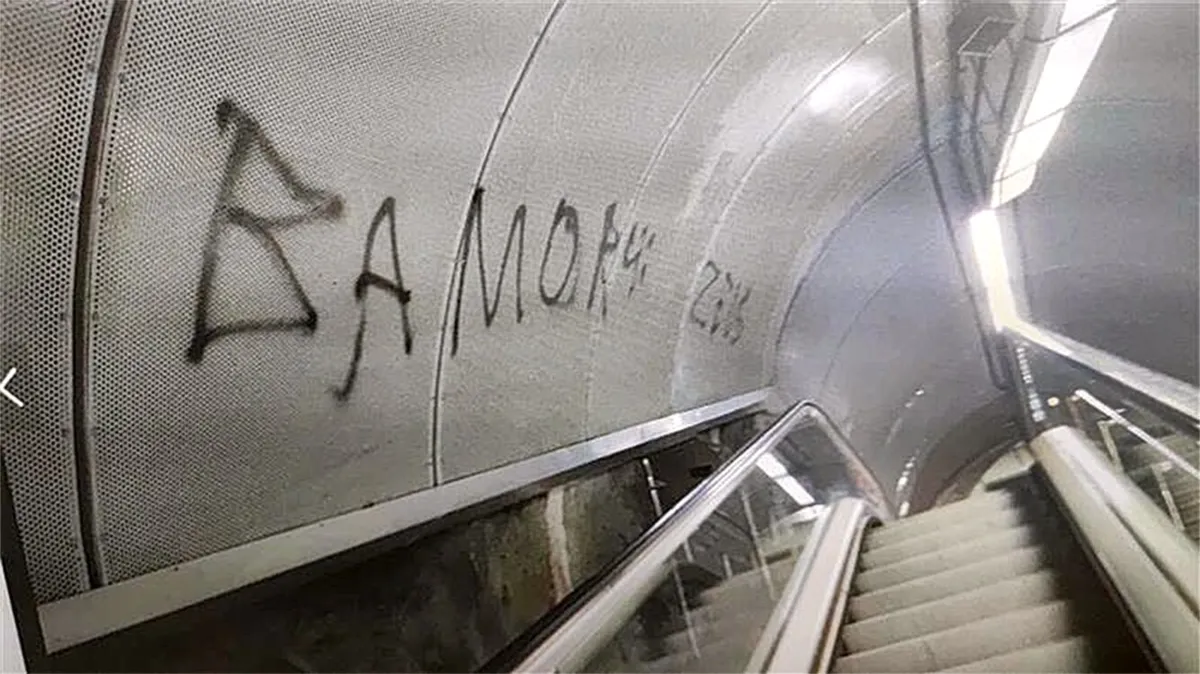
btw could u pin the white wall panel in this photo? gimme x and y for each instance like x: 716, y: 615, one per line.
x: 673, y: 170
x: 362, y: 102
x: 852, y: 127
x: 601, y: 92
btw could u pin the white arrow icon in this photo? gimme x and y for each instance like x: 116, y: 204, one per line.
x: 5, y: 392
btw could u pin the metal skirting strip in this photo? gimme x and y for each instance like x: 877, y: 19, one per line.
x: 108, y: 609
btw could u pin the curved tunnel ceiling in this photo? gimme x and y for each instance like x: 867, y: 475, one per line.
x: 309, y: 261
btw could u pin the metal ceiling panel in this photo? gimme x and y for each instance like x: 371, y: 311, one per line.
x: 255, y: 362
x: 897, y: 225
x: 914, y: 327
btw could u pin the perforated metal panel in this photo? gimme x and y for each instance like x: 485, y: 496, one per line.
x: 49, y: 54
x: 251, y: 140
x: 587, y: 356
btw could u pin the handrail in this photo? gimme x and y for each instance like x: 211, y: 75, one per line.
x: 1149, y: 440
x: 1151, y: 564
x: 802, y: 630
x: 619, y: 594
x: 1178, y: 396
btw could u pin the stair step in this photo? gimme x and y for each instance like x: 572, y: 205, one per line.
x: 749, y: 583
x: 979, y: 640
x: 713, y: 623
x: 723, y: 655
x: 936, y: 518
x: 937, y: 561
x: 909, y: 547
x: 1076, y: 654
x: 959, y: 609
x: 947, y: 583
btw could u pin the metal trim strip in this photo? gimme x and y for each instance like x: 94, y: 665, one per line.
x: 83, y: 617
x: 1149, y: 562
x: 1181, y: 397
x: 808, y: 623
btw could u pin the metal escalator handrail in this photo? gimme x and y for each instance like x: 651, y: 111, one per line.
x: 801, y: 633
x: 1151, y: 564
x: 639, y: 571
x: 1178, y: 396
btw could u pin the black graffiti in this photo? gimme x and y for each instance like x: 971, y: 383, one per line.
x: 321, y: 205
x: 568, y: 217
x: 630, y: 257
x: 610, y: 239
x: 555, y: 291
x: 368, y: 279
x: 475, y: 223
x: 719, y: 306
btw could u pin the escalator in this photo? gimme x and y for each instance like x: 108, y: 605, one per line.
x: 1083, y: 561
x: 993, y: 583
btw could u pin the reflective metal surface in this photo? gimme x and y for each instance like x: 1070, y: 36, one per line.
x: 810, y: 614
x: 591, y: 628
x: 102, y: 611
x: 1151, y: 564
x: 1181, y: 397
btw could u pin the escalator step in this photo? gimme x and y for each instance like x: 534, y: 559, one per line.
x: 948, y: 583
x: 937, y: 518
x: 753, y: 582
x: 1076, y: 654
x: 963, y: 644
x: 722, y: 655
x: 937, y: 561
x: 715, y: 622
x: 985, y: 524
x: 935, y: 616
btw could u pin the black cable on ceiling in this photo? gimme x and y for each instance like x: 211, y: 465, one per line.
x: 985, y: 341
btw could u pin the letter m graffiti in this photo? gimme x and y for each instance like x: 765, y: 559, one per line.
x: 473, y: 228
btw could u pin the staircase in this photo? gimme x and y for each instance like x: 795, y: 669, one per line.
x: 993, y: 583
x: 728, y: 619
x: 1184, y: 489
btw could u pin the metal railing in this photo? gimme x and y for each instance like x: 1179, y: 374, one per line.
x: 613, y: 599
x: 1152, y: 567
x: 801, y: 634
x: 1153, y: 387
x: 1143, y: 421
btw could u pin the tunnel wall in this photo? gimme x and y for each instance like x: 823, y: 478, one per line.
x: 304, y: 262
x: 1109, y: 229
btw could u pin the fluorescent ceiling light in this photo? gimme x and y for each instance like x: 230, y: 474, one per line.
x: 1065, y: 60
x: 1010, y: 187
x: 1078, y: 10
x: 993, y: 267
x: 798, y: 493
x: 773, y: 468
x: 1031, y: 143
x: 1070, y: 57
